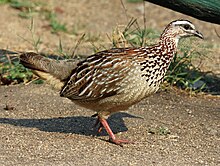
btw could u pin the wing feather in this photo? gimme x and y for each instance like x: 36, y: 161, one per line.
x: 98, y: 76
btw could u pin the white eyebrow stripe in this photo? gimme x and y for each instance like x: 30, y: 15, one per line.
x: 179, y: 22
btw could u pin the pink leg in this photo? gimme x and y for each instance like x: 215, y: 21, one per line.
x: 112, y: 137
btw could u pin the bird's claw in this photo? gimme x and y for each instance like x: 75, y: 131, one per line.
x: 120, y: 141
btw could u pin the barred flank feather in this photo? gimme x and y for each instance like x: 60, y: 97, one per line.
x: 115, y: 79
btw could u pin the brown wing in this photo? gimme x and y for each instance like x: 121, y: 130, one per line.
x: 99, y: 75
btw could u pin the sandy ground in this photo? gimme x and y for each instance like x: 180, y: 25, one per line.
x: 42, y: 128
x: 37, y: 127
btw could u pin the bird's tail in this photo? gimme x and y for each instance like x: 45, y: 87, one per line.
x: 56, y: 72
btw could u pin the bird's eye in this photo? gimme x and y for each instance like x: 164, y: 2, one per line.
x: 187, y: 27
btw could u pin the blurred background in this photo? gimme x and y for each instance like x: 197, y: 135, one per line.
x: 37, y: 127
x: 72, y: 27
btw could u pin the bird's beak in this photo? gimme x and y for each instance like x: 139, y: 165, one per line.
x: 198, y: 34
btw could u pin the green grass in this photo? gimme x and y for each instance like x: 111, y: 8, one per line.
x: 14, y: 73
x: 162, y: 130
x: 29, y: 9
x: 2, y: 2
x: 182, y: 73
x: 35, y: 39
x: 55, y: 24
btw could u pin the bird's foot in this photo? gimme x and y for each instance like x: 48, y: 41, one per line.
x: 112, y: 139
x: 120, y: 141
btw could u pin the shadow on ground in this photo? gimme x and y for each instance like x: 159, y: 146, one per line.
x: 212, y: 81
x: 78, y: 124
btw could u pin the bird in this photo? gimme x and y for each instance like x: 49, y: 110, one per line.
x: 112, y: 80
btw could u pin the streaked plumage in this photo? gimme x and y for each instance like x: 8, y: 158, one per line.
x: 113, y: 80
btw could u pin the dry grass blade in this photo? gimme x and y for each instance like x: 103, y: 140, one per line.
x: 77, y: 45
x: 118, y: 39
x: 124, y: 8
x: 217, y: 33
x: 129, y: 25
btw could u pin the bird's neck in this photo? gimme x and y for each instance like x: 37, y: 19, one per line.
x: 169, y: 43
x: 169, y: 39
x: 164, y: 53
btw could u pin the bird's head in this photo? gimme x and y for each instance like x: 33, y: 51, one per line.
x: 181, y: 28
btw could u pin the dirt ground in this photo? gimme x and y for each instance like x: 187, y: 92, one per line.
x: 168, y: 129
x: 37, y: 127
